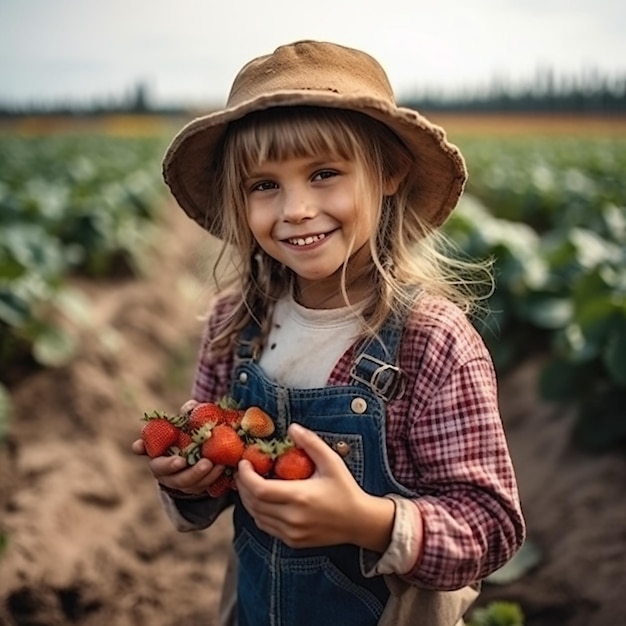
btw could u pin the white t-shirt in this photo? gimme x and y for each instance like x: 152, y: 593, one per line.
x: 304, y: 345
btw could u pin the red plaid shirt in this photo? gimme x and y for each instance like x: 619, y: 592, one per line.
x: 445, y: 441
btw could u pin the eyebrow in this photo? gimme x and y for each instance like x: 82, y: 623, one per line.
x: 260, y: 173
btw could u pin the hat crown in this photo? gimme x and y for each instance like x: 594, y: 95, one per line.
x: 312, y: 66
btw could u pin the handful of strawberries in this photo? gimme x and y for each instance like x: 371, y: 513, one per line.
x: 225, y: 434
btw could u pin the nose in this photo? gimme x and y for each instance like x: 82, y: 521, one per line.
x: 297, y: 205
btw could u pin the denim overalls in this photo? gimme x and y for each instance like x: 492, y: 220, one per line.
x: 281, y: 586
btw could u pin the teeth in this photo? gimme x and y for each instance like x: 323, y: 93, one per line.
x: 305, y: 241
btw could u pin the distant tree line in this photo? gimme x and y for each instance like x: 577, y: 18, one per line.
x: 588, y: 94
x: 591, y: 93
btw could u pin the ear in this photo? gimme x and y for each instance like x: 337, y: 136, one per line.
x: 391, y: 184
x: 392, y: 180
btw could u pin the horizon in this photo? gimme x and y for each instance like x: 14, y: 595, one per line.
x: 64, y: 50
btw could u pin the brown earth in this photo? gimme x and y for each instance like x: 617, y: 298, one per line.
x: 87, y: 541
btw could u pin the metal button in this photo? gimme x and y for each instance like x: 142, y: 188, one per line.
x: 359, y: 405
x: 342, y: 448
x: 243, y: 378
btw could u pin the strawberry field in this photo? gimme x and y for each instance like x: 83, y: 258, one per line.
x: 101, y: 285
x: 552, y: 215
x: 71, y: 205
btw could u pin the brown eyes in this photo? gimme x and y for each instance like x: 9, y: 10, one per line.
x: 269, y: 185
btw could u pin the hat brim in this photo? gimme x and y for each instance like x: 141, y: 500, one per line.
x: 439, y: 172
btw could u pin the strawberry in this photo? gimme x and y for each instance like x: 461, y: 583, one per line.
x: 256, y: 423
x: 222, y: 445
x: 292, y: 463
x: 204, y: 413
x: 224, y: 482
x: 261, y: 454
x: 160, y: 433
x: 184, y: 439
x: 231, y: 414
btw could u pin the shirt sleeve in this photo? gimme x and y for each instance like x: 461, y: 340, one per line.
x: 211, y: 382
x: 447, y: 444
x: 470, y: 510
x: 188, y: 515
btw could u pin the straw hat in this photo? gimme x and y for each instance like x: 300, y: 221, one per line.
x: 315, y: 74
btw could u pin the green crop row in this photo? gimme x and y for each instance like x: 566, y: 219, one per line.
x: 550, y: 213
x: 69, y: 204
x: 559, y: 252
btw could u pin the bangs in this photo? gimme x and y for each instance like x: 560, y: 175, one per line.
x: 294, y: 132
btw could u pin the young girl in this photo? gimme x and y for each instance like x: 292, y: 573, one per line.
x: 345, y: 322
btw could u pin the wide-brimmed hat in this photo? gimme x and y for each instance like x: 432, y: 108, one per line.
x: 321, y: 74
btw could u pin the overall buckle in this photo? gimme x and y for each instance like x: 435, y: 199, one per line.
x: 383, y: 379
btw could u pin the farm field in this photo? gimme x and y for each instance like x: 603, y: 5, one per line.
x: 83, y: 539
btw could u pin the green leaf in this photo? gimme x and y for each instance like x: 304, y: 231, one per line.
x: 575, y: 345
x: 498, y: 614
x: 614, y: 356
x: 546, y: 310
x: 54, y: 347
x: 13, y: 309
x: 596, y: 319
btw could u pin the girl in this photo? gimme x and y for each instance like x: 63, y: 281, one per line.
x: 347, y: 324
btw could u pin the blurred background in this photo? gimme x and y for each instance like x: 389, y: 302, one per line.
x: 103, y: 281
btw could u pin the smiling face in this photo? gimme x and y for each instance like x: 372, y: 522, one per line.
x: 305, y: 213
x: 306, y: 186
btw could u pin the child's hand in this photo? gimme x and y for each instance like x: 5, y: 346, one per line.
x: 326, y: 509
x: 173, y: 472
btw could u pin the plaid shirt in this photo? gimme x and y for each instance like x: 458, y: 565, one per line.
x: 445, y: 441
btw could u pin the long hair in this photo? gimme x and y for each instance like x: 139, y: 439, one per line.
x: 407, y: 257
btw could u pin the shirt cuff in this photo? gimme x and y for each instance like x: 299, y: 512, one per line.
x: 188, y: 515
x: 404, y: 549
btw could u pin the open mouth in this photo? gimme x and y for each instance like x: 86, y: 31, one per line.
x: 305, y: 241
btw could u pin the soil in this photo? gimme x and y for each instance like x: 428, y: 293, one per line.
x: 87, y: 542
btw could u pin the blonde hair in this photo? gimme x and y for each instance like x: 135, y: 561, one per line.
x: 407, y: 256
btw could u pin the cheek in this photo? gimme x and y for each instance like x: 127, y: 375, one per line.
x: 364, y: 221
x: 254, y: 219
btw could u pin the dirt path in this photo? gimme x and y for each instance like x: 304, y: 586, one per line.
x: 89, y: 545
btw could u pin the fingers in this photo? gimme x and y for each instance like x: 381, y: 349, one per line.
x: 253, y: 487
x: 138, y: 447
x: 175, y: 473
x: 322, y: 455
x: 188, y: 406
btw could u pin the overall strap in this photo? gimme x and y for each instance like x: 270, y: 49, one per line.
x: 248, y: 343
x: 375, y: 364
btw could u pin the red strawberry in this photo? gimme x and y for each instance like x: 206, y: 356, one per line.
x: 184, y: 439
x: 292, y: 463
x: 256, y: 423
x: 222, y: 445
x: 232, y: 417
x: 204, y: 413
x: 160, y: 433
x: 231, y: 414
x: 261, y: 454
x: 224, y: 482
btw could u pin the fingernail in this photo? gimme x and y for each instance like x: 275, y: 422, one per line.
x: 295, y: 427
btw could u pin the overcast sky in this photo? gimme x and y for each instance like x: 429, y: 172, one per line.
x: 190, y: 50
